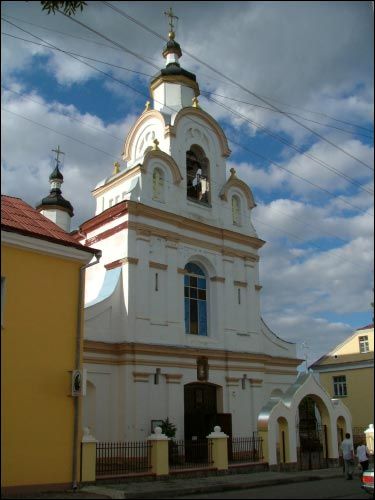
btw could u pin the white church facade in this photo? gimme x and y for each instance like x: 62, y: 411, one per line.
x: 172, y: 312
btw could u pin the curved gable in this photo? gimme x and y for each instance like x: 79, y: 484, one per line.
x: 166, y: 159
x: 185, y: 112
x: 233, y: 181
x: 126, y: 154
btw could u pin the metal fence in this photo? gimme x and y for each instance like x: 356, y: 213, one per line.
x: 245, y: 449
x: 117, y: 459
x: 190, y: 454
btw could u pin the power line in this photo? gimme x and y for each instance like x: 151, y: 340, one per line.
x: 68, y: 116
x: 75, y: 54
x: 296, y: 148
x: 350, y: 132
x: 231, y: 140
x: 172, y: 184
x: 204, y: 92
x: 122, y: 13
x: 57, y: 132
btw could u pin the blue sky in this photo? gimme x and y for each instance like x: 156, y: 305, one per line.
x: 314, y: 195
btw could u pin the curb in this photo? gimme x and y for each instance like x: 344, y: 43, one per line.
x: 214, y: 488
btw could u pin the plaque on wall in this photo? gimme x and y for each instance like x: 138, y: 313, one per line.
x: 202, y: 369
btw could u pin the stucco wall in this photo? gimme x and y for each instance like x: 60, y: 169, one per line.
x: 37, y: 354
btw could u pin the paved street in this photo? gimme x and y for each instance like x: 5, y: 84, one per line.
x: 327, y: 488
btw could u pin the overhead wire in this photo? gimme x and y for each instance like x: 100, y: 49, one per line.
x: 230, y: 139
x: 172, y: 184
x: 203, y: 92
x: 145, y: 27
x: 221, y: 81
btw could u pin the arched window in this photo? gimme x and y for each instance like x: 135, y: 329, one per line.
x: 197, y: 175
x: 236, y: 210
x: 195, y: 300
x: 158, y: 185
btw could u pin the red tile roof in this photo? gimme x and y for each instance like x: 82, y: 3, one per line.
x: 19, y: 217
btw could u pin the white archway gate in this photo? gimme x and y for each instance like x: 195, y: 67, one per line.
x: 278, y: 421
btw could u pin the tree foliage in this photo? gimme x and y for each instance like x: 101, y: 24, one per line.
x: 69, y: 8
x: 168, y: 428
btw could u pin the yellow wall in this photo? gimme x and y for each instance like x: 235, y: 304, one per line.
x: 37, y: 355
x: 360, y: 389
x: 352, y: 345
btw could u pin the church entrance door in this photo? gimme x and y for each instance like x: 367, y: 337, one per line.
x: 200, y: 412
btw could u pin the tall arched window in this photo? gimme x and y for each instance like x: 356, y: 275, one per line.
x: 197, y: 175
x: 195, y: 300
x: 236, y: 210
x: 158, y: 185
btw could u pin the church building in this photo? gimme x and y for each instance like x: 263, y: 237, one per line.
x: 172, y: 315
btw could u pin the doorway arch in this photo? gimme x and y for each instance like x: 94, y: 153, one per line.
x: 203, y: 402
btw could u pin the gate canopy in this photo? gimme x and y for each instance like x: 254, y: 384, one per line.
x: 285, y: 406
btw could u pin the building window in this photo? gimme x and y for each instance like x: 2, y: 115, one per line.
x: 158, y: 185
x: 339, y: 386
x: 156, y: 282
x: 239, y: 295
x: 363, y: 344
x: 236, y: 210
x: 195, y: 290
x: 197, y: 175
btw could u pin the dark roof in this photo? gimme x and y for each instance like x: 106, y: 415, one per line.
x: 56, y: 174
x: 19, y: 217
x: 174, y: 69
x: 172, y: 47
x: 55, y: 199
x: 367, y: 327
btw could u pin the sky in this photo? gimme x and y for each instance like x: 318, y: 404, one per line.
x: 290, y: 83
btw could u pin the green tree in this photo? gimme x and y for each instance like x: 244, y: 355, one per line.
x: 168, y: 428
x: 69, y: 8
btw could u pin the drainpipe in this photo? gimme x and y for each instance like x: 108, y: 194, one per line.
x: 77, y: 364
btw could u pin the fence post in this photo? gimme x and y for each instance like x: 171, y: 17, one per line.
x: 219, y: 448
x: 369, y: 432
x: 263, y: 435
x: 159, y: 452
x: 88, y: 456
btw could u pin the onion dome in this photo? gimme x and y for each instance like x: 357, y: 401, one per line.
x: 55, y: 200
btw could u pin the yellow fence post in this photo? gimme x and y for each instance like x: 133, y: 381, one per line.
x: 219, y: 442
x: 88, y: 457
x: 159, y: 453
x: 369, y: 433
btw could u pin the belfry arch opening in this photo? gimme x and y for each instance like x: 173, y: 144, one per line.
x: 197, y: 175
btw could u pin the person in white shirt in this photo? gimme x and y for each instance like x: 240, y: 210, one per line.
x: 348, y: 455
x: 362, y: 455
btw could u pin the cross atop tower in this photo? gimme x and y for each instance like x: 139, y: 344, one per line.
x: 171, y: 16
x: 58, y: 153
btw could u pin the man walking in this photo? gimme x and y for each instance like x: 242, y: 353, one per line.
x: 348, y: 455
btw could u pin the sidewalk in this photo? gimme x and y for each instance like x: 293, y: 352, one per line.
x: 174, y: 487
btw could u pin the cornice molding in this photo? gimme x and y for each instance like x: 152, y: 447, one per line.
x: 45, y: 247
x: 129, y: 348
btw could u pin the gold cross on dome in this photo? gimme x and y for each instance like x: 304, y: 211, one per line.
x: 58, y: 153
x: 171, y: 17
x: 116, y: 170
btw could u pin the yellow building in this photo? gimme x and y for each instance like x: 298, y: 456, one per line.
x: 41, y: 288
x: 347, y: 372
